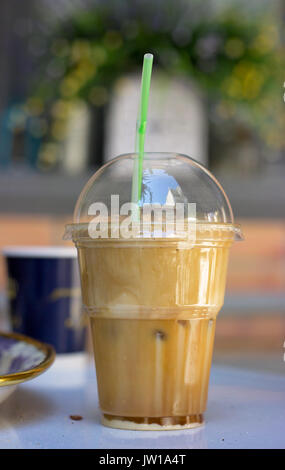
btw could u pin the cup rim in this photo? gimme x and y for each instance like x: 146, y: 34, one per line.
x: 203, y: 226
x: 34, y: 251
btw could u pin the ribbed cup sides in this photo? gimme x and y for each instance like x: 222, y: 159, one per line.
x: 152, y: 311
x: 155, y: 277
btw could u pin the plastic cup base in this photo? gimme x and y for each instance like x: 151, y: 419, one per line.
x: 153, y: 424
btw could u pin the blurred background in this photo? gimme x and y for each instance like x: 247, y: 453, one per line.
x: 69, y: 89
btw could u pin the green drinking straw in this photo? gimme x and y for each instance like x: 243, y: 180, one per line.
x: 140, y: 131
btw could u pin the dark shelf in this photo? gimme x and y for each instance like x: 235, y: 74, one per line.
x: 30, y: 192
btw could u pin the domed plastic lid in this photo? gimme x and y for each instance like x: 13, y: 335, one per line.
x: 175, y: 184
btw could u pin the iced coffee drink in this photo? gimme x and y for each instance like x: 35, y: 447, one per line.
x: 155, y: 334
x: 152, y: 304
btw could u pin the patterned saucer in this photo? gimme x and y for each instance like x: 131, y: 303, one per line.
x: 21, y: 358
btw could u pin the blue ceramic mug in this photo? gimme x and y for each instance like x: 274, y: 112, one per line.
x: 44, y: 298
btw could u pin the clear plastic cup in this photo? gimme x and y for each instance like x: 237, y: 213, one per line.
x: 153, y: 293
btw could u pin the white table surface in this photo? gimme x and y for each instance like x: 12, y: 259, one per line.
x: 245, y: 410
